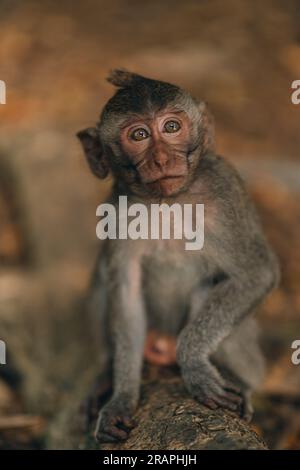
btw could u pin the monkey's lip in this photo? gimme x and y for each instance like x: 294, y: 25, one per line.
x: 164, y: 178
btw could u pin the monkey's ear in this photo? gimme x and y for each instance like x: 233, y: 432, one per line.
x: 91, y: 143
x: 207, y: 128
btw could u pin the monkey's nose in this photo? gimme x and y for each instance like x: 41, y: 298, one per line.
x: 160, y: 159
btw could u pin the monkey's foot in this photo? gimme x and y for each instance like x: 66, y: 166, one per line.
x: 210, y: 389
x: 114, y: 424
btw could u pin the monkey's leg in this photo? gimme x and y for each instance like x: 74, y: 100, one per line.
x: 128, y: 327
x: 115, y: 418
x: 96, y: 312
x: 240, y: 358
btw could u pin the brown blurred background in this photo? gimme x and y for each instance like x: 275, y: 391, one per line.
x: 241, y: 57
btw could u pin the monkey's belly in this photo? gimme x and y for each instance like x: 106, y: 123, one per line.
x: 167, y: 293
x: 160, y: 349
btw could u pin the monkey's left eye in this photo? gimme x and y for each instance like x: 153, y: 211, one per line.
x: 139, y: 134
x: 171, y: 126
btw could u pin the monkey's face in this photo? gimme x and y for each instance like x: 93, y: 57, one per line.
x: 156, y: 148
x: 151, y: 136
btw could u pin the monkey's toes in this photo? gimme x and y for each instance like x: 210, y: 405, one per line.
x: 228, y: 400
x: 243, y: 400
x: 114, y: 428
x: 215, y: 396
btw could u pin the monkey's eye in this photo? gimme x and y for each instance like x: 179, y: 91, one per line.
x: 139, y: 134
x: 171, y: 126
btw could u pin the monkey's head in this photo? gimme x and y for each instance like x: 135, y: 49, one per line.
x: 151, y: 136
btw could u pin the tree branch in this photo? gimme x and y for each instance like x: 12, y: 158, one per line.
x: 168, y: 418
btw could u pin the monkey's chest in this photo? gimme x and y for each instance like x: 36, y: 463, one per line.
x: 168, y: 282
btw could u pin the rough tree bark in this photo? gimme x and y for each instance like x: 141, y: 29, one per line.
x: 167, y: 418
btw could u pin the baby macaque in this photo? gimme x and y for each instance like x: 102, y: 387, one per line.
x: 153, y: 298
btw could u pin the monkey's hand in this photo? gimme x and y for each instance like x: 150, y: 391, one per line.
x: 205, y: 384
x: 115, y: 421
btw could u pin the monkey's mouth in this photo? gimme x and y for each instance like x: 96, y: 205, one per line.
x: 165, y: 178
x: 166, y: 185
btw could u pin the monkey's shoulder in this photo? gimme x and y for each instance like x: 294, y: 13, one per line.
x: 223, y: 186
x: 220, y: 175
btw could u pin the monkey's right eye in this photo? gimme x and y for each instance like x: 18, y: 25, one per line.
x: 139, y: 134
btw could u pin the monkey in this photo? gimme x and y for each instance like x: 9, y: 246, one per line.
x: 153, y: 299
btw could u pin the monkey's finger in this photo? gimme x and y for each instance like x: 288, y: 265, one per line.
x: 115, y: 432
x: 209, y: 403
x: 226, y: 403
x: 231, y: 387
x: 127, y: 423
x: 230, y: 400
x: 208, y: 392
x: 233, y: 397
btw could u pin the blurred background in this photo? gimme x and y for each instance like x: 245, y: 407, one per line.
x: 241, y: 57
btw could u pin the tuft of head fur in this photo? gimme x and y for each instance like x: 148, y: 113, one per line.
x: 122, y: 78
x: 136, y: 94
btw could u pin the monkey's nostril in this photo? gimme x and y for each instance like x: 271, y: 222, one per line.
x: 159, y: 164
x: 160, y: 159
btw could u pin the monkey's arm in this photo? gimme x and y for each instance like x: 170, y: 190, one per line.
x: 249, y: 270
x: 128, y: 337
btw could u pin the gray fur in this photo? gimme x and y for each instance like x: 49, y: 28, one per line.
x: 204, y: 297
